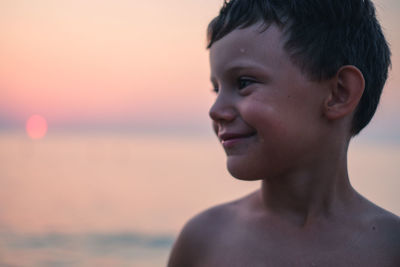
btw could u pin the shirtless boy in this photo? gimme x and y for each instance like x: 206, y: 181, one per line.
x: 295, y: 80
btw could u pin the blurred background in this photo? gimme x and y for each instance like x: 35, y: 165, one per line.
x: 106, y: 148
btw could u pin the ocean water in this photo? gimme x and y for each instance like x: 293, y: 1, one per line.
x: 121, y: 199
x: 85, y: 249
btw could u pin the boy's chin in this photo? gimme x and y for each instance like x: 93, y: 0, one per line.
x: 242, y: 172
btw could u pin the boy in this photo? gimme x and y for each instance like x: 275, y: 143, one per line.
x: 295, y: 81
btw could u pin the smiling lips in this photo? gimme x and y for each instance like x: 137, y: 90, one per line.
x: 228, y: 140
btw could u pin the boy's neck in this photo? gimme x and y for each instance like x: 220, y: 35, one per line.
x: 306, y: 195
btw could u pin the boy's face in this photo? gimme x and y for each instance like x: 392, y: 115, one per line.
x: 267, y: 114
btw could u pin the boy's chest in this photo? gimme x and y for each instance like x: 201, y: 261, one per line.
x: 250, y: 257
x: 247, y: 250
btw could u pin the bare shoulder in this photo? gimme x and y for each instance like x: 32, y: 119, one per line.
x: 387, y: 225
x: 199, y: 235
x: 384, y: 233
x: 379, y: 219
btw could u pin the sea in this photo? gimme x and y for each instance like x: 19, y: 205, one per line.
x: 120, y: 199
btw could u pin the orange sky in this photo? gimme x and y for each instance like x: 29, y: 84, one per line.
x: 105, y: 62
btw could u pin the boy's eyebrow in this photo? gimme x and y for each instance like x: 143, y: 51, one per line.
x: 243, y: 64
x: 239, y: 66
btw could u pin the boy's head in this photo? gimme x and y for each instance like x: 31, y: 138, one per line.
x: 321, y: 36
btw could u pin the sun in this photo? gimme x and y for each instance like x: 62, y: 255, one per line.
x: 36, y: 127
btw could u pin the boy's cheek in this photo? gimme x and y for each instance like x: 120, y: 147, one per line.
x: 272, y: 125
x: 261, y: 115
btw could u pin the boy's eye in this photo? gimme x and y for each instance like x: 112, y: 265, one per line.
x: 243, y: 82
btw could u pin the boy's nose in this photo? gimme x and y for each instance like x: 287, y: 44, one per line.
x: 222, y: 110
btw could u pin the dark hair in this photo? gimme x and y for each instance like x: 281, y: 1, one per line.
x: 322, y: 36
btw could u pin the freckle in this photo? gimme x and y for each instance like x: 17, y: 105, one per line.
x: 373, y: 228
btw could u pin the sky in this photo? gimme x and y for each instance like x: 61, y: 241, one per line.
x: 97, y: 64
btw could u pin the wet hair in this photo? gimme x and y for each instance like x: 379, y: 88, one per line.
x: 321, y: 36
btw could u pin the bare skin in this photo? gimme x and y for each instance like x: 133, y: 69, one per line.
x: 242, y: 234
x: 291, y: 133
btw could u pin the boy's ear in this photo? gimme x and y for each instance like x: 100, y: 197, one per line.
x: 345, y: 92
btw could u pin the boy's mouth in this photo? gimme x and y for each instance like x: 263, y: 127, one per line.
x: 229, y: 139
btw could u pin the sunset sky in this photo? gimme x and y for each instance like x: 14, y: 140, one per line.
x: 97, y: 64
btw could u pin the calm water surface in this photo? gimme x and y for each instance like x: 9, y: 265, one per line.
x: 120, y: 200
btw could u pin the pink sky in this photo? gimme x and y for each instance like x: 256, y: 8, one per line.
x: 103, y: 62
